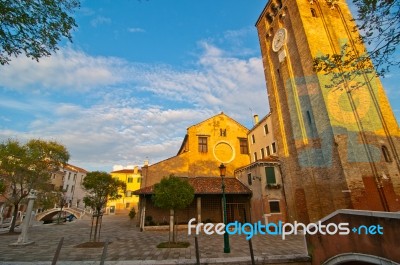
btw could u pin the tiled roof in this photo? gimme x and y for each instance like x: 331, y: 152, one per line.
x: 129, y: 171
x: 74, y: 168
x: 207, y: 185
x: 266, y: 161
x: 269, y: 159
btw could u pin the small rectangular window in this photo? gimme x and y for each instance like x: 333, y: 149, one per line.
x: 268, y: 151
x: 253, y: 139
x: 249, y: 180
x: 128, y: 193
x: 130, y: 180
x: 222, y: 132
x: 127, y: 205
x: 255, y: 156
x: 274, y: 207
x: 243, y: 146
x: 270, y: 174
x: 313, y: 12
x: 273, y: 148
x: 203, y: 144
x: 262, y: 153
x: 266, y: 131
x: 386, y: 154
x: 139, y: 180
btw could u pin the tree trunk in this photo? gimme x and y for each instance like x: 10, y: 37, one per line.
x: 14, y: 219
x: 95, y: 228
x: 171, y: 225
x: 175, y: 228
x: 59, y: 214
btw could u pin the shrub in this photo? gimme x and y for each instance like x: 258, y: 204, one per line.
x: 132, y: 213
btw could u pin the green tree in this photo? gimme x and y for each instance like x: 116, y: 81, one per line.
x: 379, y: 24
x: 28, y: 166
x: 34, y: 27
x: 47, y: 199
x: 101, y: 188
x: 173, y: 193
x: 378, y: 27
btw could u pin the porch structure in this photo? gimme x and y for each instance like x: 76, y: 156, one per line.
x: 206, y: 206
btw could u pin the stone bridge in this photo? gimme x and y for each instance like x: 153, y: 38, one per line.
x: 372, y: 238
x: 48, y: 214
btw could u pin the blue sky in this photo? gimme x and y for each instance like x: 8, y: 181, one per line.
x: 137, y: 74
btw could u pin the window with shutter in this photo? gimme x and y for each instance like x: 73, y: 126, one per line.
x: 270, y: 173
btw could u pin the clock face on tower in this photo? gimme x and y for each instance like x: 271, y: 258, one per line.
x: 279, y: 39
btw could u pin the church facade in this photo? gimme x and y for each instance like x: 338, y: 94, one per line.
x: 207, y: 144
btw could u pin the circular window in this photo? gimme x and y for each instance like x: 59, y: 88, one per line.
x: 224, y: 152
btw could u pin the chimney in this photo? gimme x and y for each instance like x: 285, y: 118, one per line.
x: 255, y: 119
x: 146, y: 163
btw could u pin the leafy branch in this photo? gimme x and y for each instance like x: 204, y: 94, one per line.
x: 378, y: 27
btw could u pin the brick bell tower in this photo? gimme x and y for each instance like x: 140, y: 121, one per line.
x: 339, y: 146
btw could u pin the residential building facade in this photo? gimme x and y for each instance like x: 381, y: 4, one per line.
x: 263, y: 175
x: 263, y: 178
x: 72, y: 186
x: 57, y: 180
x: 132, y: 178
x: 261, y: 139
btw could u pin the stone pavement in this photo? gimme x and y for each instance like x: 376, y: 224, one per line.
x: 130, y: 246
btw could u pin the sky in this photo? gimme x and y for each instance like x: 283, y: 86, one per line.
x: 137, y: 75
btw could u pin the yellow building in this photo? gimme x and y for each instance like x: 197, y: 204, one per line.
x: 219, y: 139
x: 132, y: 178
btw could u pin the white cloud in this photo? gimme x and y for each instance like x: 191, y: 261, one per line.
x: 135, y: 30
x: 218, y: 83
x: 67, y: 68
x: 238, y: 34
x: 132, y: 112
x: 100, y: 20
x: 210, y: 50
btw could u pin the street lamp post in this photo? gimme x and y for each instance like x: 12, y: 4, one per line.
x: 222, y: 171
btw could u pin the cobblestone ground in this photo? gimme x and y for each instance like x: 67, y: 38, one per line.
x: 129, y: 244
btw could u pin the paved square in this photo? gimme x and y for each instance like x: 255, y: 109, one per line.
x: 129, y: 244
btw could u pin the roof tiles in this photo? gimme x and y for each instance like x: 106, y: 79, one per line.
x: 208, y: 185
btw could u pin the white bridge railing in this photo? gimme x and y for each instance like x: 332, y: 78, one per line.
x: 79, y: 213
